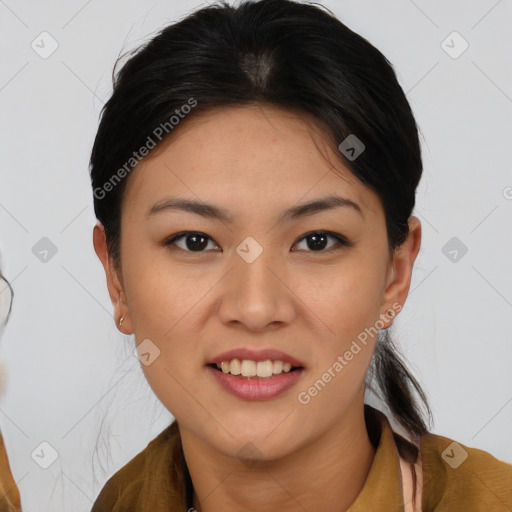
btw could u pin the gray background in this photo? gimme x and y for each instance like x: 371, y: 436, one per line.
x: 69, y: 368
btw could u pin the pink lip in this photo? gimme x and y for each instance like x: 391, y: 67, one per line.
x: 255, y: 355
x: 256, y: 388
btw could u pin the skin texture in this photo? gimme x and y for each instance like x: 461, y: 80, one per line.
x: 257, y: 161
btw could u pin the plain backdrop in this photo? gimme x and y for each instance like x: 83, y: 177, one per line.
x: 72, y: 379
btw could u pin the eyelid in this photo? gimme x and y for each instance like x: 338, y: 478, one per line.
x: 340, y: 239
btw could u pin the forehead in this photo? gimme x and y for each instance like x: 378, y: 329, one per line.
x: 250, y: 157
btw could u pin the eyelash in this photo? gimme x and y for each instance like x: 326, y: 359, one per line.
x: 340, y: 239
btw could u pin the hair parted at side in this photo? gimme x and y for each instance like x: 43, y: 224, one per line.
x: 290, y: 55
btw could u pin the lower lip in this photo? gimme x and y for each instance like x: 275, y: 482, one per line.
x: 255, y: 388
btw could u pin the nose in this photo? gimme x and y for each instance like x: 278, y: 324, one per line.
x: 256, y: 294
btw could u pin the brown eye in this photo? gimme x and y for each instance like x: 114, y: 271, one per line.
x: 191, y: 241
x: 317, y: 241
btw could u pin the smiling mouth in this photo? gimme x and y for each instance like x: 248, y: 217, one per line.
x: 254, y: 370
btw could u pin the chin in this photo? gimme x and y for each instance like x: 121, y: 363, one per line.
x: 252, y: 452
x: 269, y: 439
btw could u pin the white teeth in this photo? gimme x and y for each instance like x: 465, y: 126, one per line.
x: 278, y: 367
x: 248, y: 368
x: 235, y: 368
x: 264, y: 368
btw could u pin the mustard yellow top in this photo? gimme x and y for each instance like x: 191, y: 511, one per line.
x: 455, y: 478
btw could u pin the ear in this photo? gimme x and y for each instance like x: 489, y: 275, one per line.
x: 114, y: 280
x: 400, y: 272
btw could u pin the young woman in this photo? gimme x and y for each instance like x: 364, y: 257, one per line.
x: 254, y: 175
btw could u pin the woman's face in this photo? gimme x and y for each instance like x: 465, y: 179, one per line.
x: 253, y: 280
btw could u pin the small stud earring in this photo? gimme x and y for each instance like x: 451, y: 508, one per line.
x: 121, y: 321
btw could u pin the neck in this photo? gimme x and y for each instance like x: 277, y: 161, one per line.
x: 332, y: 469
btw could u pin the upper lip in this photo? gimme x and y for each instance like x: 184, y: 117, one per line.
x: 255, y: 355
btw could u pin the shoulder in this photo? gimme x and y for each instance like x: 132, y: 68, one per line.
x: 456, y: 476
x: 122, y: 491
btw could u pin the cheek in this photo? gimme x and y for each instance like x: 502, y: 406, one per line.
x: 349, y: 306
x: 160, y: 297
x: 168, y: 382
x: 346, y: 297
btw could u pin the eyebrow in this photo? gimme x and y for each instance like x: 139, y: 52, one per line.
x: 215, y: 212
